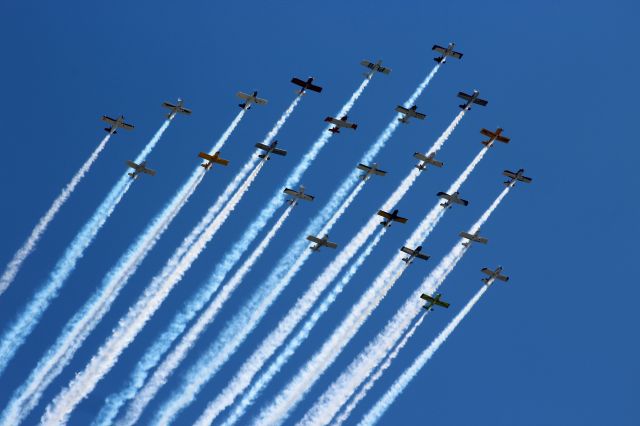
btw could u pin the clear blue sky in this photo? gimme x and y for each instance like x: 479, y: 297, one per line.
x: 557, y: 345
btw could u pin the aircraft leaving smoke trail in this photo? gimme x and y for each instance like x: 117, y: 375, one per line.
x: 23, y: 252
x: 376, y: 412
x: 376, y: 350
x: 174, y: 359
x: 284, y: 271
x: 128, y: 327
x: 372, y: 380
x: 88, y: 317
x: 16, y: 334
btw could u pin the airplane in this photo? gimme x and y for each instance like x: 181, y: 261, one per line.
x: 427, y: 159
x: 215, y: 158
x: 494, y: 275
x: 115, y: 123
x: 408, y: 113
x: 306, y: 85
x: 451, y: 199
x: 139, y: 168
x: 375, y: 67
x: 390, y: 217
x: 471, y: 99
x: 297, y: 195
x: 517, y: 176
x: 338, y: 123
x: 473, y: 238
x: 271, y: 149
x: 250, y: 99
x: 494, y: 136
x: 370, y: 170
x: 446, y: 51
x: 413, y: 254
x: 324, y: 241
x: 177, y: 108
x: 431, y: 301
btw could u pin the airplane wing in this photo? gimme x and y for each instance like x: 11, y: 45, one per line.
x: 185, y: 110
x: 127, y: 126
x: 314, y: 239
x: 367, y: 64
x: 487, y: 133
x: 168, y: 105
x: 476, y: 238
x: 444, y: 195
x: 149, y: 171
x: 419, y: 115
x: 402, y: 109
x: 205, y: 156
x: 132, y: 164
x: 307, y: 197
x: 335, y: 121
x: 109, y: 120
x: 503, y: 139
x: 486, y: 271
x: 509, y: 174
x: 455, y: 54
x: 464, y: 96
x: 525, y: 179
x: 438, y: 49
x: 261, y: 101
x: 461, y: 201
x: 331, y: 244
x: 244, y: 96
x: 363, y: 167
x: 299, y: 82
x: 315, y: 88
x: 422, y: 256
x: 407, y: 250
x: 279, y: 151
x: 384, y: 70
x: 220, y: 161
x: 401, y: 219
x: 480, y: 102
x: 503, y: 278
x: 384, y: 214
x: 291, y: 192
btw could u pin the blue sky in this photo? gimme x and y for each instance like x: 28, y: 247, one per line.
x: 553, y: 346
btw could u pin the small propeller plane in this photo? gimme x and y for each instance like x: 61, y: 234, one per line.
x: 494, y: 136
x: 306, y: 85
x: 446, y: 51
x: 427, y: 159
x: 390, y: 217
x: 471, y: 99
x: 517, y: 176
x: 408, y: 113
x: 139, y: 168
x: 177, y: 108
x: 452, y: 199
x: 115, y: 123
x: 432, y: 301
x: 375, y: 67
x: 493, y: 275
x: 211, y: 159
x: 370, y: 171
x: 413, y: 254
x: 271, y: 149
x: 297, y: 195
x: 473, y: 238
x: 338, y: 123
x: 250, y: 99
x: 321, y: 242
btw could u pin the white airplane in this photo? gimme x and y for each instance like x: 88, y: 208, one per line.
x: 211, y: 159
x: 139, y: 168
x: 375, y: 67
x: 517, y: 176
x: 446, y: 51
x: 370, y: 171
x: 431, y: 301
x: 250, y: 99
x: 321, y: 242
x: 115, y: 123
x: 177, y: 108
x: 494, y: 275
x: 452, y: 199
x: 271, y: 149
x: 413, y: 254
x: 473, y: 238
x: 297, y: 195
x: 340, y: 123
x: 427, y: 159
x: 494, y: 136
x: 471, y: 99
x: 408, y: 113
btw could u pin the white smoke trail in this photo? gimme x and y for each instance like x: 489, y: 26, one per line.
x: 128, y: 327
x: 376, y: 412
x: 372, y: 380
x: 153, y: 355
x: 16, y: 334
x: 23, y: 252
x: 174, y: 359
x: 85, y: 320
x: 373, y: 354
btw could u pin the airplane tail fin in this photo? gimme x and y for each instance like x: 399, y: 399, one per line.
x: 299, y: 92
x: 486, y: 143
x: 507, y: 183
x: 439, y: 59
x: 334, y: 130
x: 109, y: 129
x: 264, y: 156
x: 244, y: 105
x: 463, y: 106
x: 132, y: 175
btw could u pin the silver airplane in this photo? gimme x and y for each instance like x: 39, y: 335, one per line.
x: 177, y: 108
x: 452, y: 199
x: 250, y: 99
x: 321, y: 242
x: 115, y: 123
x: 375, y: 67
x: 494, y: 136
x: 427, y: 159
x: 270, y: 149
x: 413, y: 254
x: 446, y: 51
x: 370, y: 171
x: 431, y: 301
x: 340, y: 123
x: 473, y: 238
x: 139, y: 168
x: 297, y: 195
x: 471, y: 99
x: 517, y: 176
x: 493, y: 275
x: 409, y: 113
